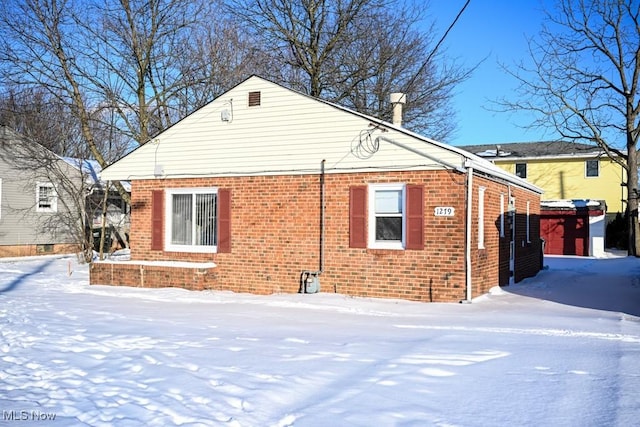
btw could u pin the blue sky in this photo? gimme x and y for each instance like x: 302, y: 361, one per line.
x: 495, y: 30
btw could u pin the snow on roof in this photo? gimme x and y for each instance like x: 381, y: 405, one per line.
x: 92, y: 169
x: 571, y: 204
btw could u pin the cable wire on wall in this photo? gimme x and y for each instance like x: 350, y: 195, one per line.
x: 364, y: 146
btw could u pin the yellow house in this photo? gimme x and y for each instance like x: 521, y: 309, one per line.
x: 565, y: 170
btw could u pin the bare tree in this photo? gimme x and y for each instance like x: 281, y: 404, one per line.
x: 583, y: 83
x: 37, y: 115
x: 219, y: 57
x: 386, y: 58
x: 356, y: 52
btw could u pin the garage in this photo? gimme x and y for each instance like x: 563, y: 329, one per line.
x: 573, y: 227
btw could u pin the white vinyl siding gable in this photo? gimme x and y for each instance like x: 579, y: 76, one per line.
x: 289, y: 133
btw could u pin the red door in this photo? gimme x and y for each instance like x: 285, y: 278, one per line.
x: 566, y: 234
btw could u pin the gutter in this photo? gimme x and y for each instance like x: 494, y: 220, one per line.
x: 467, y: 238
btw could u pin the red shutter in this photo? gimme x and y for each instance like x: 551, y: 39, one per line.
x: 358, y: 217
x: 224, y: 220
x: 157, y: 220
x: 415, y: 217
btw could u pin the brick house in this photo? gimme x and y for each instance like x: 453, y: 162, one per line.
x: 267, y: 190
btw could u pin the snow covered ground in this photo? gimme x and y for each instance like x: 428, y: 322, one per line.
x: 561, y: 349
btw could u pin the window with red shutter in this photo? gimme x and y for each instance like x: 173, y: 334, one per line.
x: 198, y: 220
x: 393, y: 214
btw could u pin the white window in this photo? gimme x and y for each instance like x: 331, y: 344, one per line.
x: 46, y: 198
x: 592, y: 168
x: 191, y: 220
x: 481, y: 191
x: 501, y: 215
x: 387, y: 220
x: 528, y: 224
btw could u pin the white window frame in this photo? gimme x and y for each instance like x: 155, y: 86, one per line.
x: 168, y: 218
x: 54, y: 198
x: 586, y: 168
x: 528, y: 223
x: 386, y: 244
x: 481, y: 191
x: 501, y: 214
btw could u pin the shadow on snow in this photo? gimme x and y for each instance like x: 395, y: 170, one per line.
x: 18, y: 280
x: 611, y: 284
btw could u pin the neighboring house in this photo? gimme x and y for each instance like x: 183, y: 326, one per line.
x: 112, y: 209
x: 34, y: 201
x: 564, y: 170
x: 268, y: 190
x: 571, y: 174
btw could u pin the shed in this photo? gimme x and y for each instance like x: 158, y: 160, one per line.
x: 573, y: 227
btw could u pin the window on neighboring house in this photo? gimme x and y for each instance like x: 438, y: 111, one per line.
x: 386, y: 216
x: 592, y: 168
x: 481, y: 191
x: 191, y: 216
x: 0, y: 198
x: 521, y: 170
x: 46, y: 199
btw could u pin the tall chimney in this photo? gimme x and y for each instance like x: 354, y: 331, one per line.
x: 397, y: 100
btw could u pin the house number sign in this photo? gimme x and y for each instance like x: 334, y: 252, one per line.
x: 444, y: 211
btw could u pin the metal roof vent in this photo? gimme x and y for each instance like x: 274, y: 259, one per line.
x: 397, y: 99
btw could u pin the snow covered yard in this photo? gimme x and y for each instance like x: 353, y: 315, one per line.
x: 561, y: 349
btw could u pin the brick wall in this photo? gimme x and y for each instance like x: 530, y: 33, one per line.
x: 30, y: 250
x: 275, y: 222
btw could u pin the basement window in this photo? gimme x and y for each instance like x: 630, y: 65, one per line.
x: 44, y: 249
x: 254, y: 99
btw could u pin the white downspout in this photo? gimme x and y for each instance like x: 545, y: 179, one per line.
x: 467, y: 243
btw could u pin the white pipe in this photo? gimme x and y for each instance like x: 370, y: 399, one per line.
x: 467, y: 244
x: 418, y: 152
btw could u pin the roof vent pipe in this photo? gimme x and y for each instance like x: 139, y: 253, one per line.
x: 397, y: 100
